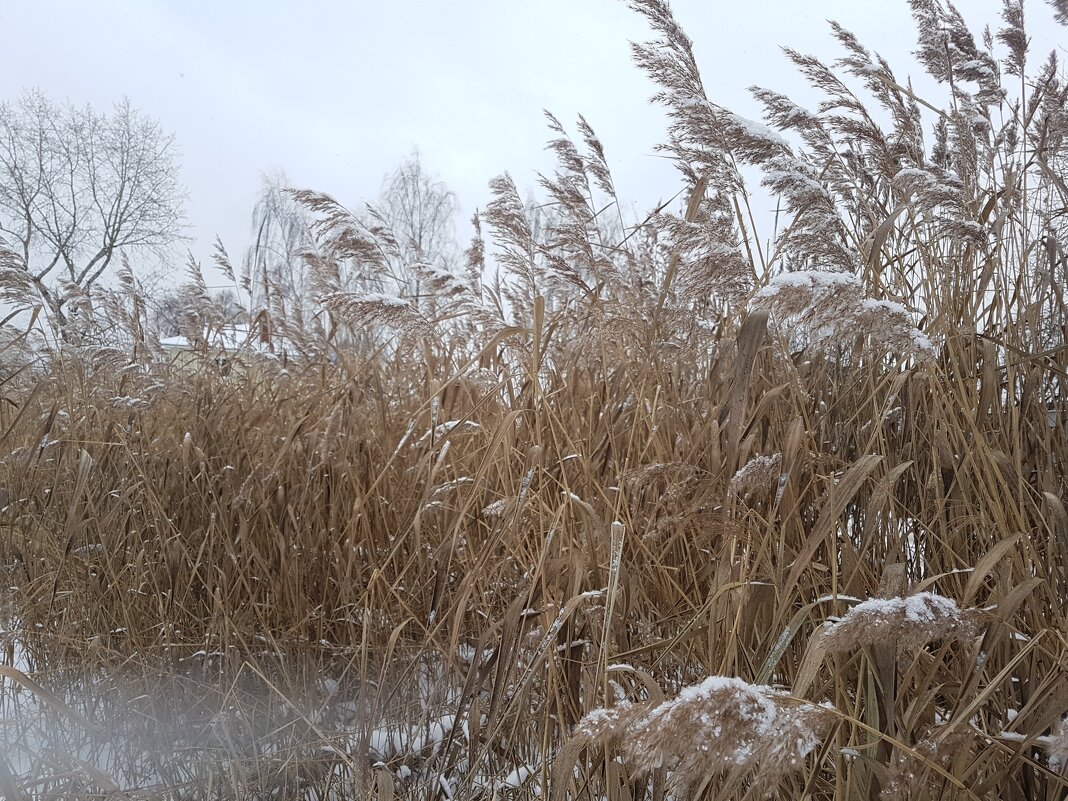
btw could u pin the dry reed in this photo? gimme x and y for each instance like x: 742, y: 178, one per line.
x: 407, y: 548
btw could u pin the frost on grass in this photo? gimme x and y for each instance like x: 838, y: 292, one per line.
x: 911, y: 622
x: 719, y: 725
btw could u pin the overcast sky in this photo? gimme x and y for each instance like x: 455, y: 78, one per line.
x: 337, y: 93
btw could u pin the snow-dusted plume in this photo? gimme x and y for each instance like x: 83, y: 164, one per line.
x: 374, y: 309
x: 911, y: 622
x: 711, y: 261
x: 759, y: 475
x: 16, y: 283
x: 831, y: 306
x: 719, y: 725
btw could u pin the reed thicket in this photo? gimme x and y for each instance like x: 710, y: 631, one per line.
x: 540, y: 504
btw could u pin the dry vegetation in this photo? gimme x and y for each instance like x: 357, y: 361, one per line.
x: 493, y: 542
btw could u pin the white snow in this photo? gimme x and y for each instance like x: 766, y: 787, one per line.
x: 757, y: 130
x: 923, y: 607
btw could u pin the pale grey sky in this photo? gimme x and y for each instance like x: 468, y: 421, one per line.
x: 337, y: 93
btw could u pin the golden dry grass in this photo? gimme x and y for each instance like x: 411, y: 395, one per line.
x: 577, y: 491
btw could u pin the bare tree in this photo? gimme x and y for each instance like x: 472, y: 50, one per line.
x: 78, y: 188
x: 419, y: 209
x: 281, y: 229
x: 167, y: 312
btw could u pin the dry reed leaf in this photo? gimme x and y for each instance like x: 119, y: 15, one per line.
x: 1060, y: 518
x: 841, y: 495
x: 987, y: 563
